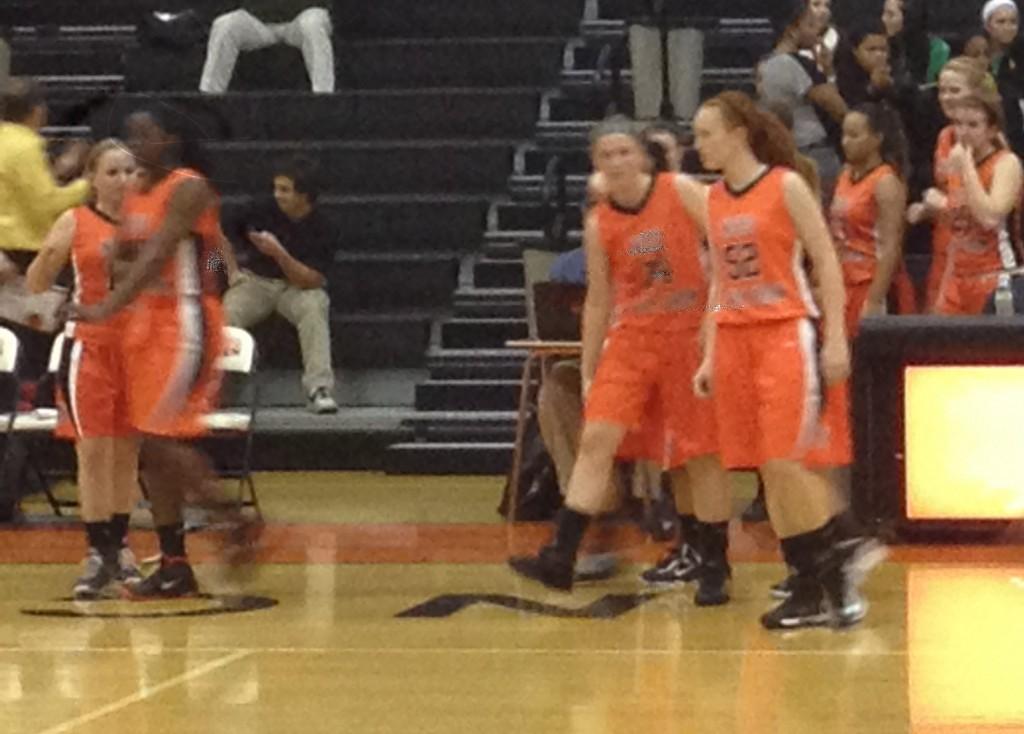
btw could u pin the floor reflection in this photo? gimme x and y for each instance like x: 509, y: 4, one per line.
x: 965, y: 641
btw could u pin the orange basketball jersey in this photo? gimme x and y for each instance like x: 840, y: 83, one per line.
x: 977, y: 249
x: 655, y: 256
x: 758, y: 260
x: 143, y: 213
x: 943, y: 147
x: 853, y: 218
x: 91, y: 253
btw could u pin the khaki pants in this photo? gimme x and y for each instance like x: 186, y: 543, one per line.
x: 685, y: 66
x: 560, y: 416
x: 251, y: 299
x: 5, y: 63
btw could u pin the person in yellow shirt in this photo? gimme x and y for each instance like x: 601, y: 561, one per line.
x: 30, y: 197
x: 31, y: 200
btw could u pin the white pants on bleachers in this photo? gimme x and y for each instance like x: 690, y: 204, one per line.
x: 239, y: 30
x: 685, y: 66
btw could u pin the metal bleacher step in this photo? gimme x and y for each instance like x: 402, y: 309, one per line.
x: 474, y: 394
x: 449, y: 458
x: 563, y: 133
x: 461, y: 333
x: 489, y: 302
x: 468, y: 364
x: 587, y: 78
x: 502, y: 245
x: 475, y: 426
x: 489, y: 273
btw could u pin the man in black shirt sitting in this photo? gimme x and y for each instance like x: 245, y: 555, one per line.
x: 286, y: 248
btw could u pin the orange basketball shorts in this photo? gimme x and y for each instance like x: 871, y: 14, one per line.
x: 961, y: 295
x: 768, y: 397
x: 856, y: 297
x: 170, y: 350
x: 91, y: 399
x: 644, y: 382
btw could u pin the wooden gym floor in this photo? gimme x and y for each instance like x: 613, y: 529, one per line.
x: 383, y: 605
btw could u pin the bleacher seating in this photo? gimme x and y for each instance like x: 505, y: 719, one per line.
x: 454, y: 121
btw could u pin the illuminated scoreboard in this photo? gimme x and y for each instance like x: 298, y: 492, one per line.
x: 939, y: 420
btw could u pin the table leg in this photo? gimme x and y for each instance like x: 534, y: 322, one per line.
x: 517, y: 449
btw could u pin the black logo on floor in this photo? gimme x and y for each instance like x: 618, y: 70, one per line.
x: 610, y: 606
x: 204, y: 605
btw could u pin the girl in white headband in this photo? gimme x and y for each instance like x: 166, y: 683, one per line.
x: 992, y: 6
x: 1001, y: 20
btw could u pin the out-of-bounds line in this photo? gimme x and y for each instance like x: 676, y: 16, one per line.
x: 147, y: 693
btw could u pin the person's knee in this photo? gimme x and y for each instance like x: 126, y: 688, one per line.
x: 600, y: 440
x: 315, y: 21
x: 313, y: 302
x: 234, y: 312
x: 224, y: 25
x: 566, y: 376
x: 779, y: 474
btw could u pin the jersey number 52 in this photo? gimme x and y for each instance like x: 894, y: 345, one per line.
x: 742, y: 261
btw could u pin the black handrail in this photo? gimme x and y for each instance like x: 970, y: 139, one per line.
x: 610, y: 63
x: 555, y: 197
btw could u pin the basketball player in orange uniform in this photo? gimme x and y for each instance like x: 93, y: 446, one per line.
x: 761, y: 363
x: 868, y: 208
x: 90, y: 393
x: 173, y: 335
x: 647, y: 291
x: 959, y: 78
x: 680, y: 563
x: 984, y: 188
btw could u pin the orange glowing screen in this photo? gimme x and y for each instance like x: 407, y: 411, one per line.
x: 964, y: 442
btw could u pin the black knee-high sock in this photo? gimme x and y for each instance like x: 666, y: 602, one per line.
x: 847, y: 526
x: 172, y: 540
x: 100, y: 539
x: 802, y: 551
x: 688, y: 530
x: 569, y: 531
x: 119, y: 529
x: 98, y: 535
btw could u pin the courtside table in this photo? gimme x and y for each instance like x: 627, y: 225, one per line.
x: 538, y: 352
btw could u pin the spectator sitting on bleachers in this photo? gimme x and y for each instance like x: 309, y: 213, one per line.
x: 286, y: 250
x: 304, y: 24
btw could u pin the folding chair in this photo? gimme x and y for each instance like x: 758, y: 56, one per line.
x: 27, y: 424
x: 238, y: 362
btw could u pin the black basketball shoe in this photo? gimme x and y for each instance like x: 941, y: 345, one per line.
x: 98, y: 578
x: 804, y: 608
x: 172, y: 580
x: 548, y: 567
x: 679, y: 565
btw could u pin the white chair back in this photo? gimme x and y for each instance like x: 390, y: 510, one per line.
x: 56, y: 352
x: 239, y: 351
x: 9, y: 347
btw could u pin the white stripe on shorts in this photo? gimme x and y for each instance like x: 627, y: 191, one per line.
x: 811, y: 409
x: 189, y: 352
x: 74, y: 366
